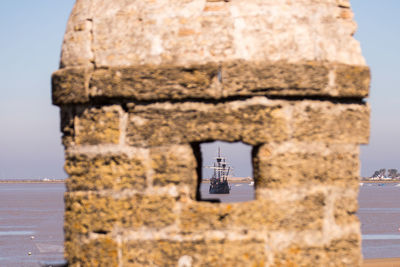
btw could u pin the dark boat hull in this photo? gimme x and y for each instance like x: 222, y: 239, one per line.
x: 219, y: 188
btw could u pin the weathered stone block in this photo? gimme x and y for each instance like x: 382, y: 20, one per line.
x: 278, y: 78
x: 211, y: 81
x: 174, y: 164
x: 70, y: 86
x: 102, y: 251
x: 91, y: 212
x: 280, y: 214
x: 324, y: 121
x: 151, y: 82
x: 98, y: 126
x: 340, y: 252
x: 109, y: 171
x: 86, y: 212
x: 253, y: 121
x: 345, y: 209
x: 352, y: 81
x: 293, y: 164
x: 194, y: 253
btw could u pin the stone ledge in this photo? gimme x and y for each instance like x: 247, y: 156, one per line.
x: 210, y: 81
x: 255, y: 121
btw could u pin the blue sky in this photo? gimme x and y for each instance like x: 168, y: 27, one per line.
x: 379, y: 34
x: 31, y: 36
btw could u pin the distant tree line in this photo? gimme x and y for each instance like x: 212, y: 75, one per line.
x: 391, y: 173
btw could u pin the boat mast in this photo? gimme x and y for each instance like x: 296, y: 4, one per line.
x: 221, y: 168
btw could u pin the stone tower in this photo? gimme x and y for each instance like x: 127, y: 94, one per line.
x: 142, y: 83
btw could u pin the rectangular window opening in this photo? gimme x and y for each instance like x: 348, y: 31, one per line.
x: 225, y: 172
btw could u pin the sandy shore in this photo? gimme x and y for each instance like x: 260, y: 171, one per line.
x: 389, y: 262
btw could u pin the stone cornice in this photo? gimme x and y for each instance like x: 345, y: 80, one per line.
x: 210, y: 81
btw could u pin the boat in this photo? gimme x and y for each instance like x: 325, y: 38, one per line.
x: 219, y: 181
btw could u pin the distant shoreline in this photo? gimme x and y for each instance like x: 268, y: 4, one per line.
x: 380, y: 181
x: 31, y: 181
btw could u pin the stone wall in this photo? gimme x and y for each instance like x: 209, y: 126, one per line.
x: 142, y: 83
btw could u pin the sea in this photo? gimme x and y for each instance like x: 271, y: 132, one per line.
x: 31, y: 220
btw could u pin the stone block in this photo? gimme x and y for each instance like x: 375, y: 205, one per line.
x: 162, y: 82
x: 300, y: 79
x: 98, y: 126
x: 295, y: 164
x: 194, y: 253
x: 345, y: 209
x: 339, y: 252
x: 108, y: 171
x: 86, y: 213
x: 352, y: 81
x: 277, y: 78
x: 95, y: 213
x: 253, y: 121
x: 70, y: 86
x: 261, y: 214
x: 325, y: 121
x: 235, y: 78
x: 102, y: 251
x: 174, y: 164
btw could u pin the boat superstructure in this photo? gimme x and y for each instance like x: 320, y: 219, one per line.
x: 219, y: 181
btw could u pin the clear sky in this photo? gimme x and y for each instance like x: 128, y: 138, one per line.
x: 379, y: 35
x: 31, y: 36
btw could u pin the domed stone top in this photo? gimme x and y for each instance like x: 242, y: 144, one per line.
x: 183, y: 32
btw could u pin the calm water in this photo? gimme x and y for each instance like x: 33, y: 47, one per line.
x: 31, y: 219
x: 379, y: 213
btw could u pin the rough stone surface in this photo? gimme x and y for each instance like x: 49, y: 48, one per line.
x: 316, y: 121
x: 70, y: 86
x: 254, y: 121
x: 210, y: 81
x: 196, y: 253
x: 102, y: 251
x: 94, y: 213
x: 345, y: 210
x: 173, y: 165
x: 199, y: 31
x: 342, y: 252
x: 105, y: 172
x: 143, y: 83
x: 303, y: 214
x: 98, y: 125
x: 295, y: 164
